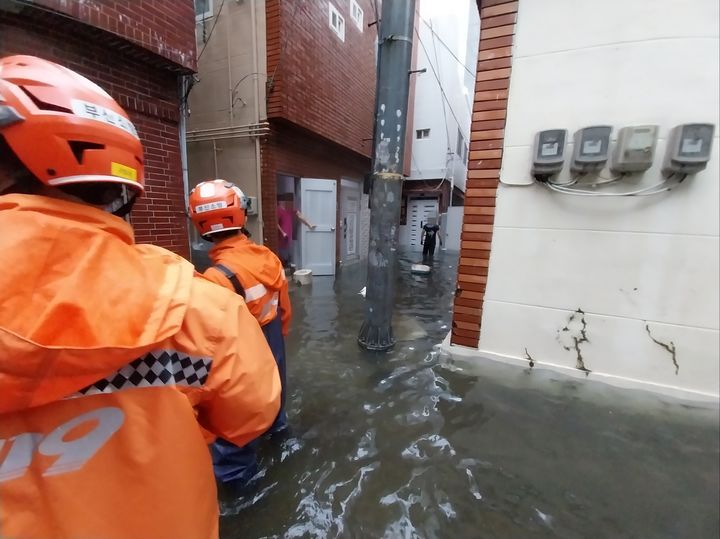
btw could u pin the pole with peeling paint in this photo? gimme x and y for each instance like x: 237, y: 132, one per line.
x: 393, y: 84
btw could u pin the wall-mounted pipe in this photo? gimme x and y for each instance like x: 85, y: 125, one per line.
x: 215, y: 158
x: 256, y: 96
x: 217, y: 129
x: 228, y: 136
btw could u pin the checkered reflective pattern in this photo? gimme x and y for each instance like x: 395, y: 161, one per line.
x: 156, y: 369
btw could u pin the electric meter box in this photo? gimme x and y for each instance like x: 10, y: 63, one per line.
x: 688, y: 148
x: 590, y: 151
x: 635, y: 149
x: 252, y: 208
x: 549, y: 152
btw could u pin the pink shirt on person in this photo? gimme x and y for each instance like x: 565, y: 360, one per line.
x: 285, y: 220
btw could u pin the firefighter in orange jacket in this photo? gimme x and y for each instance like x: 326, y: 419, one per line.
x: 218, y: 209
x: 113, y: 354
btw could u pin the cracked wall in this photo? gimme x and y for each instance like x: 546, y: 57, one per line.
x: 643, y: 270
x: 573, y: 336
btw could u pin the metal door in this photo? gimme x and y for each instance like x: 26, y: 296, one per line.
x: 319, y: 206
x: 349, y: 216
x: 419, y: 210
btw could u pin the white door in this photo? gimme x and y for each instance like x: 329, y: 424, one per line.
x: 418, y: 212
x: 319, y: 206
x: 349, y: 217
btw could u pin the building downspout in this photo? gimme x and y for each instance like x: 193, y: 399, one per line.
x: 182, y: 129
x: 452, y: 181
x: 231, y: 95
x: 215, y: 158
x: 256, y: 90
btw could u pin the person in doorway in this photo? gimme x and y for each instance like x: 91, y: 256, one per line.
x: 218, y: 211
x: 429, y: 237
x: 286, y: 225
x: 114, y: 355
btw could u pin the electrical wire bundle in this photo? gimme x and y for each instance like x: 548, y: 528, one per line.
x: 574, y: 187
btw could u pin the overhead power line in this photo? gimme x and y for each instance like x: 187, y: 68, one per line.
x: 447, y: 48
x: 212, y: 29
x: 271, y: 78
x: 437, y: 78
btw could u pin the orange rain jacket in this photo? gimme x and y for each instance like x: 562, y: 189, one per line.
x: 110, y: 355
x: 261, y: 275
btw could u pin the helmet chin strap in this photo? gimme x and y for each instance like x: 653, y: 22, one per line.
x: 123, y: 204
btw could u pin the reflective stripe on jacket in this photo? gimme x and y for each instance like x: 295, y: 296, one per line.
x: 113, y: 357
x: 261, y: 275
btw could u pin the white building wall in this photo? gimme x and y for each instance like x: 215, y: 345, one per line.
x: 455, y: 24
x: 632, y: 283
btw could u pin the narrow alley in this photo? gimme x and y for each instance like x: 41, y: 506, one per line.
x: 359, y: 269
x: 411, y: 445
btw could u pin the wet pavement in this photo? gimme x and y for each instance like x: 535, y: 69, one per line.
x: 409, y: 444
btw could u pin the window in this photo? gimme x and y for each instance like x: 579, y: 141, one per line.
x: 422, y: 133
x: 356, y: 13
x: 203, y: 9
x: 337, y: 23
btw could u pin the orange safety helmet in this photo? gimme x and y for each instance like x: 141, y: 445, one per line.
x: 64, y: 128
x: 217, y: 206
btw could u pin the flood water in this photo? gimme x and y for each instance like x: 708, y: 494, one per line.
x: 407, y: 444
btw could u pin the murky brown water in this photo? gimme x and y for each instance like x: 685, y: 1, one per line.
x: 405, y: 445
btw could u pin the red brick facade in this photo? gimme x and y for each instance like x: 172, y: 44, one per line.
x: 321, y: 98
x: 165, y: 27
x: 321, y: 83
x: 145, y: 84
x: 497, y: 23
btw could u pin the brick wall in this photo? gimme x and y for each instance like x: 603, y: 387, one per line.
x: 148, y: 93
x: 497, y: 23
x: 321, y: 83
x: 294, y: 152
x: 165, y: 27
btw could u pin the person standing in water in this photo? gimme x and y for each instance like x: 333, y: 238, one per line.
x: 114, y: 354
x: 429, y: 237
x: 218, y: 209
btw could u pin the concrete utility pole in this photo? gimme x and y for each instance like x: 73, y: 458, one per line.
x: 393, y: 83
